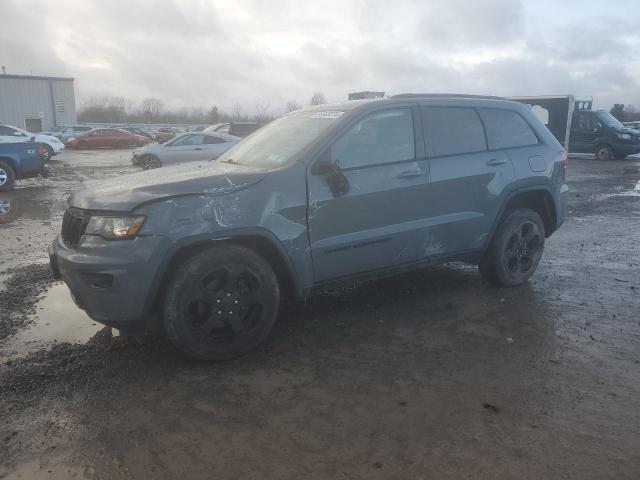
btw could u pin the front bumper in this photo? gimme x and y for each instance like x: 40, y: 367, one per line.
x: 626, y: 148
x: 113, y: 281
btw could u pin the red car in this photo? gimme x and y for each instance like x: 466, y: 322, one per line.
x: 107, y: 138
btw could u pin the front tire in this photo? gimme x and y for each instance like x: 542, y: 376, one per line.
x: 515, y: 249
x: 149, y: 162
x: 221, y: 303
x: 604, y: 152
x: 7, y: 177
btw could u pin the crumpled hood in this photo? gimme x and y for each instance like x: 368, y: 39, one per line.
x: 127, y: 192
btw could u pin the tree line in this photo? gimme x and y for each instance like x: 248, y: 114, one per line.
x: 115, y: 109
x: 625, y: 114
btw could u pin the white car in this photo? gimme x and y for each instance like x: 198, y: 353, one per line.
x: 11, y: 134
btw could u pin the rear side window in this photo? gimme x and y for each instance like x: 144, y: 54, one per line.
x: 4, y: 131
x: 507, y: 129
x: 453, y: 131
x: 211, y: 140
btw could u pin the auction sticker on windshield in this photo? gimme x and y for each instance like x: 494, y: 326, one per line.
x: 328, y: 114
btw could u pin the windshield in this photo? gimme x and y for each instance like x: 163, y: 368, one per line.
x: 277, y: 143
x: 609, y: 120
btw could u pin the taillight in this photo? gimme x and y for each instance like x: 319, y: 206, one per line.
x: 565, y: 157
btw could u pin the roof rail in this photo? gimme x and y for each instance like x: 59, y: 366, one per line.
x: 444, y: 95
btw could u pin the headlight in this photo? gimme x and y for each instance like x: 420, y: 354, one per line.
x: 115, y: 228
x: 624, y: 136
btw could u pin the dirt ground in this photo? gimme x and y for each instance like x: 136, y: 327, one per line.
x: 434, y: 374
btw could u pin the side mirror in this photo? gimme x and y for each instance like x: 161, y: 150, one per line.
x: 33, y: 139
x: 325, y: 165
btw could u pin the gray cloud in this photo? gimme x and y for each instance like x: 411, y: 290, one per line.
x: 201, y: 52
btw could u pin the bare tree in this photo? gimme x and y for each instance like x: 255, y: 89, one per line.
x: 213, y: 116
x: 292, y: 106
x: 262, y: 111
x: 317, y: 99
x: 151, y: 109
x: 237, y: 112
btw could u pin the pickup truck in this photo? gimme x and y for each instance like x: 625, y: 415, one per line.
x: 20, y: 160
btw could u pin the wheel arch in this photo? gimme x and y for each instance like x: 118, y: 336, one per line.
x: 260, y: 241
x: 604, y: 144
x: 537, y: 198
x: 13, y: 164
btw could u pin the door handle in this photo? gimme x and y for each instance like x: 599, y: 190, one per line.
x: 410, y: 174
x: 496, y: 161
x: 198, y: 148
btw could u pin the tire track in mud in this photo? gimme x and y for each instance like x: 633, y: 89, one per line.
x: 24, y: 287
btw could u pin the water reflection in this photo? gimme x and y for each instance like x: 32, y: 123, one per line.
x: 13, y: 206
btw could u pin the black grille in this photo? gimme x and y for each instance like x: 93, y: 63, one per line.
x: 74, y: 224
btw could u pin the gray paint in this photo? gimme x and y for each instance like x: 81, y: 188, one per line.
x: 327, y: 227
x: 24, y: 97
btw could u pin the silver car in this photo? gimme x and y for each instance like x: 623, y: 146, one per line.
x: 188, y: 147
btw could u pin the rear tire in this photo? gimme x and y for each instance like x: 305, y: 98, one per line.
x: 7, y: 176
x: 604, y: 152
x: 515, y: 249
x: 221, y: 303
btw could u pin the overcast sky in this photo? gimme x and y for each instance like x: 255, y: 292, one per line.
x: 204, y: 52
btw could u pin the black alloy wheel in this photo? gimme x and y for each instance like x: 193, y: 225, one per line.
x: 221, y: 303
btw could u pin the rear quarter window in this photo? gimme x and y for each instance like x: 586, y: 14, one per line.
x: 507, y: 129
x: 453, y: 131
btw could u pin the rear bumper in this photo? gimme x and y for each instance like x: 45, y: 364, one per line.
x: 562, y: 202
x: 111, y: 280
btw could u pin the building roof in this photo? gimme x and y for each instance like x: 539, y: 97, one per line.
x: 34, y: 77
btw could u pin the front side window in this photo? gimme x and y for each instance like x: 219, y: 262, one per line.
x: 453, y: 131
x: 382, y: 137
x: 507, y: 129
x: 586, y: 122
x: 223, y: 129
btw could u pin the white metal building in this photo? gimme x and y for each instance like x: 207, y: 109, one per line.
x: 37, y: 103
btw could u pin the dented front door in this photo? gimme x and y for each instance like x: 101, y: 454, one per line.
x: 369, y: 213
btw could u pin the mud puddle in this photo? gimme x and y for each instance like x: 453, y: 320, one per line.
x: 56, y: 320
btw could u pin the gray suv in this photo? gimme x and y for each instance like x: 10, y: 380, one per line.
x: 325, y: 196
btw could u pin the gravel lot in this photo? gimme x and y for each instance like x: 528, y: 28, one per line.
x: 434, y: 374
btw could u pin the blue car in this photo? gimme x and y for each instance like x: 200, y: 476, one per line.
x: 20, y: 160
